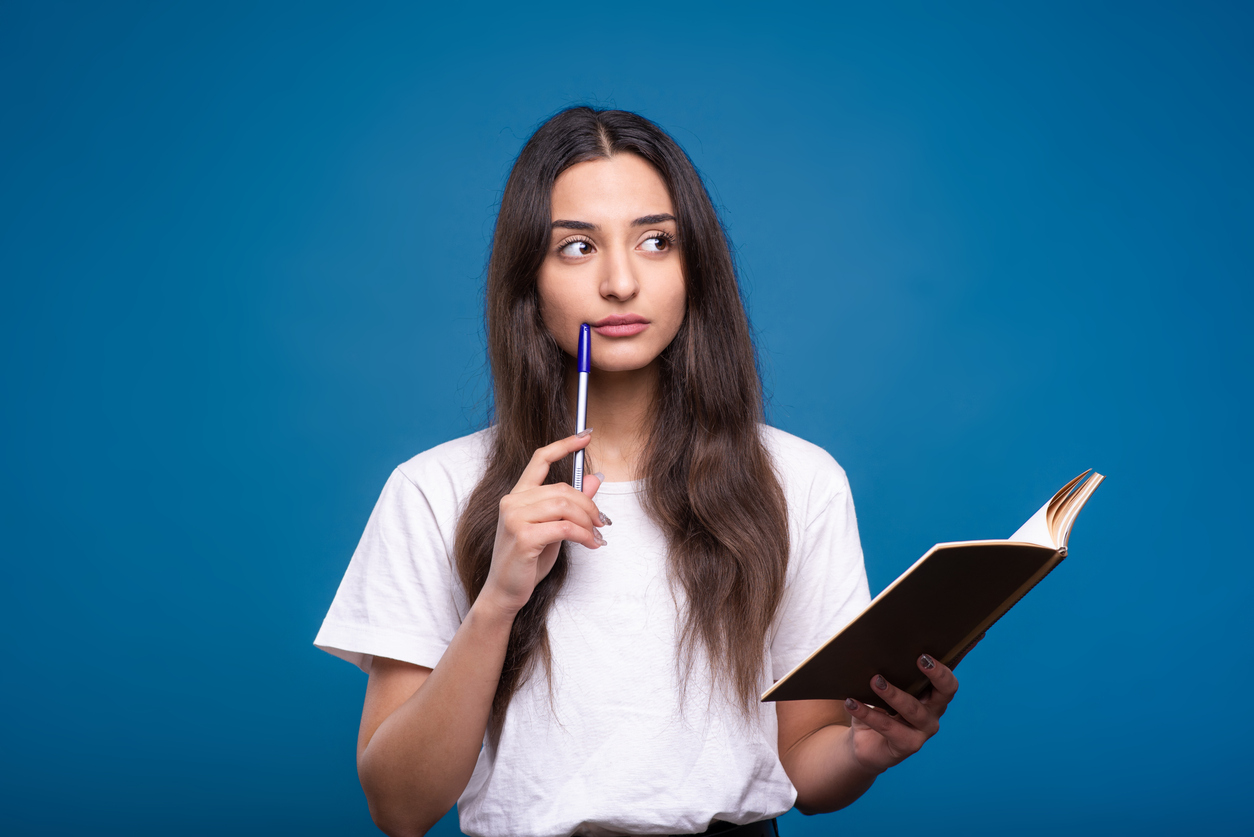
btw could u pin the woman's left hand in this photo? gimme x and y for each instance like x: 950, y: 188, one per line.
x: 880, y: 740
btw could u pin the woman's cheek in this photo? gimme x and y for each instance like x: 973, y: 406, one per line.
x: 677, y: 304
x: 556, y: 314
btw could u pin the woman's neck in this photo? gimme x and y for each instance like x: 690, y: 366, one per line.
x: 619, y: 407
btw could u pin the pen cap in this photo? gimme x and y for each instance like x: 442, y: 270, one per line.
x: 585, y: 348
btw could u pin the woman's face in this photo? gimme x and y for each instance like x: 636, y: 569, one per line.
x: 613, y: 262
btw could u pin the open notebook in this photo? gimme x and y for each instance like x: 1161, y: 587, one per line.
x: 939, y: 606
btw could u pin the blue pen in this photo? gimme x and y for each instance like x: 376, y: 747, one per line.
x: 581, y: 409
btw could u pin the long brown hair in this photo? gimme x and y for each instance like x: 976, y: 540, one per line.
x: 709, y: 486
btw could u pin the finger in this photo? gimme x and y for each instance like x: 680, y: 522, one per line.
x: 886, y: 725
x: 538, y: 468
x: 540, y: 535
x: 536, y: 496
x: 591, y: 484
x: 908, y: 707
x: 580, y: 511
x: 944, y: 683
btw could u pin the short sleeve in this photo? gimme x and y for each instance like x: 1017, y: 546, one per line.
x: 400, y: 597
x: 827, y: 584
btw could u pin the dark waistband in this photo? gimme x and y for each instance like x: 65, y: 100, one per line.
x: 764, y: 828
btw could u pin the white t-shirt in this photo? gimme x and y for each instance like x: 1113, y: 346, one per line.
x: 618, y: 746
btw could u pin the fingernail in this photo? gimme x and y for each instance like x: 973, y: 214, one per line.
x: 927, y: 662
x: 851, y: 705
x: 596, y: 535
x: 587, y: 431
x: 599, y: 476
x: 605, y: 521
x: 880, y: 683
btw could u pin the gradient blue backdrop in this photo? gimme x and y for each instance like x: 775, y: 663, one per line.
x: 985, y: 246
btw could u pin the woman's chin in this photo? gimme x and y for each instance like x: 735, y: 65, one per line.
x: 622, y: 364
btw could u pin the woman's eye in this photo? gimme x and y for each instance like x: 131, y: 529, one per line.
x: 656, y: 244
x: 575, y: 249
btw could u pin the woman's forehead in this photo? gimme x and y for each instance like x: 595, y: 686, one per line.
x: 610, y: 190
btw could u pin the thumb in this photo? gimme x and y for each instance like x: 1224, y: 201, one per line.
x: 591, y: 482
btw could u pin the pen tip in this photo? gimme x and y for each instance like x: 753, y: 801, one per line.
x: 585, y: 348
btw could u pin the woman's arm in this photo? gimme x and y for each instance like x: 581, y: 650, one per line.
x: 816, y: 755
x: 832, y: 752
x: 421, y: 729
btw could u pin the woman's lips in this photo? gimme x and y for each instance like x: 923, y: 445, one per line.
x: 620, y: 325
x: 620, y: 329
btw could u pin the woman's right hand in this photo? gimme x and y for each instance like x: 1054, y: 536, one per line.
x: 534, y: 519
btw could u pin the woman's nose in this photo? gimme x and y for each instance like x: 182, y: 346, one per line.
x: 619, y: 281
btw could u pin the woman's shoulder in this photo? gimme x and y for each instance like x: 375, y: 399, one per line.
x: 809, y: 474
x: 455, y: 466
x: 801, y: 458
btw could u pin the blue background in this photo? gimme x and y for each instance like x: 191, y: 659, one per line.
x: 985, y: 246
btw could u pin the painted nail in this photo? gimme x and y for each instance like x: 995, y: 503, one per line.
x: 596, y: 535
x: 927, y: 662
x: 851, y: 705
x: 605, y: 521
x: 587, y: 431
x: 880, y: 682
x: 599, y: 476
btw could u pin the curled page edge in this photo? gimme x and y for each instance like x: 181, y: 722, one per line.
x: 1075, y: 504
x: 1051, y: 525
x: 1059, y: 504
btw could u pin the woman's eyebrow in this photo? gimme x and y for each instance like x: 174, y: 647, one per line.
x: 642, y: 221
x: 646, y: 220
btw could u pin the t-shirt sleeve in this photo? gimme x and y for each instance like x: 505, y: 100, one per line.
x: 827, y: 584
x: 400, y: 597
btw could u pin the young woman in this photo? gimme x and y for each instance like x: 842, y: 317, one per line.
x: 554, y: 680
